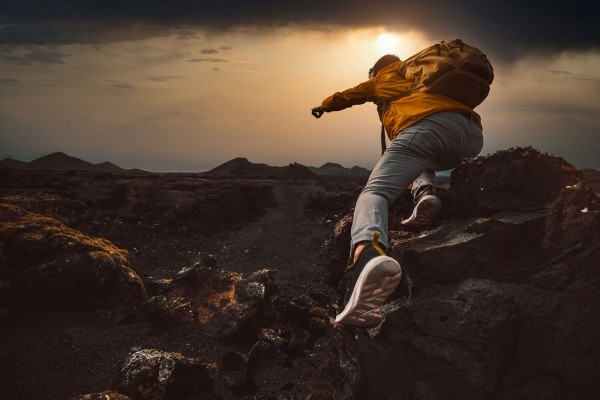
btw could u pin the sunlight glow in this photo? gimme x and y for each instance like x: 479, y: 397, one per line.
x: 387, y: 42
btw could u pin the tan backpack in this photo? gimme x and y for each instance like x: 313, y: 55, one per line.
x: 453, y: 69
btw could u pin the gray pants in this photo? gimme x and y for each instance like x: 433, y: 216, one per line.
x: 435, y: 143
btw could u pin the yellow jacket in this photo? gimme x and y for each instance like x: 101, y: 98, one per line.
x: 397, y: 107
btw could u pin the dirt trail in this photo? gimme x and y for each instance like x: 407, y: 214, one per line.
x: 287, y: 238
x: 49, y: 352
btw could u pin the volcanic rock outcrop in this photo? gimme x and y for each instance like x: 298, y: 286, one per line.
x: 41, y: 259
x: 501, y: 300
x: 153, y: 374
x: 290, y: 339
x: 225, y: 303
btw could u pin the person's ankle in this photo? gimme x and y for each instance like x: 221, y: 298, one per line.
x: 359, y: 249
x: 426, y: 190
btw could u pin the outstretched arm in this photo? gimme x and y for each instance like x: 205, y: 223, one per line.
x: 350, y: 97
x: 386, y: 87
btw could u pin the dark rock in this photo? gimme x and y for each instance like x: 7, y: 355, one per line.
x: 253, y: 297
x: 263, y: 354
x: 459, y: 341
x: 573, y: 221
x: 331, y: 201
x: 304, y: 311
x: 70, y: 209
x: 447, y: 254
x: 471, y: 327
x: 269, y: 366
x: 338, y: 251
x: 153, y: 374
x: 276, y: 335
x: 51, y: 262
x: 202, y: 207
x: 194, y: 295
x: 325, y: 362
x: 225, y: 303
x: 298, y: 341
x: 105, y: 395
x: 234, y: 370
x: 505, y: 292
x: 593, y: 179
x: 519, y: 179
x: 157, y: 286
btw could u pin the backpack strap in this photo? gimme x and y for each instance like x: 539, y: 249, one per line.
x: 384, y: 107
x: 383, y: 146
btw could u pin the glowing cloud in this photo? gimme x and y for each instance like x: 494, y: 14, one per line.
x: 387, y: 43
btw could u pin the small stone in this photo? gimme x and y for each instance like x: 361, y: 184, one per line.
x: 234, y: 370
x: 163, y: 375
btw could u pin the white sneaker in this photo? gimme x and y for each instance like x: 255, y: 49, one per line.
x: 426, y: 209
x: 369, y: 282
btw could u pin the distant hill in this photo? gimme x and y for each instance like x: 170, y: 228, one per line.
x: 244, y: 168
x: 240, y: 166
x: 108, y: 167
x: 59, y: 161
x: 11, y: 163
x: 333, y: 169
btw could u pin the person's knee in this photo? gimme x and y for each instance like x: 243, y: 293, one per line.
x: 376, y: 191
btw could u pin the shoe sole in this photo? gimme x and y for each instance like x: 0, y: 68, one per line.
x: 425, y: 210
x: 380, y: 277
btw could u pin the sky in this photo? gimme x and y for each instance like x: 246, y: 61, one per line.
x: 187, y: 85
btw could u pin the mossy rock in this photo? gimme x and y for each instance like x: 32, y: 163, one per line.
x: 51, y: 262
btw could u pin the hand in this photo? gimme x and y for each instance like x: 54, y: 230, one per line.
x: 317, y: 112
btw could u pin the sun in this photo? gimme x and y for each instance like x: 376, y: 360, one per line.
x: 387, y: 42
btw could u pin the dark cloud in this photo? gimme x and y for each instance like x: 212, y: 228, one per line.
x: 504, y: 28
x: 42, y: 57
x: 178, y: 56
x: 6, y: 81
x: 226, y: 48
x: 162, y: 78
x: 557, y: 72
x: 17, y: 60
x: 161, y: 116
x: 209, y: 51
x: 578, y: 77
x: 186, y: 34
x: 209, y: 60
x: 121, y: 85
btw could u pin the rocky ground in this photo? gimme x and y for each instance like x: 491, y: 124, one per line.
x: 503, y: 295
x: 182, y: 286
x: 169, y: 226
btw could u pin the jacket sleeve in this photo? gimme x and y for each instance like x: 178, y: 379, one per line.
x: 384, y: 87
x: 350, y: 97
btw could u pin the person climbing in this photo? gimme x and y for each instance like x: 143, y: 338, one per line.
x: 428, y: 132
